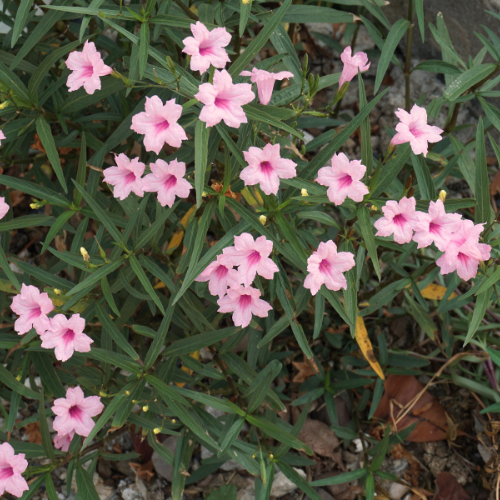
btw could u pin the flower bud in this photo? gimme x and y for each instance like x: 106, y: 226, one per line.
x: 145, y: 408
x: 85, y: 254
x: 374, y: 208
x: 102, y: 394
x: 157, y: 430
x: 4, y: 105
x: 303, y: 192
x: 442, y: 195
x: 173, y: 421
x: 263, y: 219
x: 57, y: 291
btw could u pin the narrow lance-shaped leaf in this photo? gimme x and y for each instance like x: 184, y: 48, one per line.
x: 200, y: 158
x: 483, y: 208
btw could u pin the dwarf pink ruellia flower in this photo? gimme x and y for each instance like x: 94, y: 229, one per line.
x: 2, y: 137
x: 4, y: 207
x: 75, y: 412
x: 167, y: 179
x: 243, y: 302
x: 159, y: 124
x: 325, y: 267
x: 351, y: 65
x: 436, y: 226
x: 266, y: 168
x: 67, y: 336
x: 62, y: 441
x: 206, y: 47
x: 463, y: 251
x: 220, y: 277
x: 11, y: 468
x: 32, y: 308
x: 126, y: 176
x: 343, y: 179
x: 265, y: 82
x: 224, y: 100
x: 413, y: 128
x: 251, y: 256
x: 87, y: 67
x: 400, y: 218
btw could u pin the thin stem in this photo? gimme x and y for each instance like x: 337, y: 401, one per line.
x: 409, y: 40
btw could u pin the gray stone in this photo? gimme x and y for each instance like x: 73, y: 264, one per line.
x: 163, y: 468
x: 397, y: 491
x: 282, y: 485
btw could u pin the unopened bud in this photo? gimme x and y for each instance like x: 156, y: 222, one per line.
x: 127, y: 393
x: 18, y: 378
x: 36, y: 204
x: 262, y: 219
x: 85, y: 254
x: 246, y: 2
x: 115, y: 74
x: 374, y: 208
x: 271, y: 456
x: 204, y: 194
x: 157, y: 430
x: 4, y: 105
x: 171, y: 65
x: 173, y: 421
x: 102, y: 394
x: 145, y: 408
x: 303, y: 192
x: 442, y: 195
x: 57, y: 291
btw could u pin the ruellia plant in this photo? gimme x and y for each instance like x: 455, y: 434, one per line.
x: 176, y: 209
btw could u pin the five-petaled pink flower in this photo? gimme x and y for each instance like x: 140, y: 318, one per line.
x: 413, y: 128
x: 75, y: 412
x: 207, y: 47
x: 159, y: 124
x: 87, y: 67
x: 126, y: 177
x: 167, y: 179
x: 436, y: 226
x: 251, y: 256
x: 32, y: 308
x: 220, y: 276
x: 463, y: 251
x: 67, y: 336
x: 266, y: 168
x: 62, y: 441
x: 399, y: 219
x: 4, y: 207
x: 343, y: 179
x: 265, y: 82
x: 224, y: 100
x: 11, y: 468
x: 2, y: 137
x: 351, y: 65
x: 325, y: 267
x: 243, y: 302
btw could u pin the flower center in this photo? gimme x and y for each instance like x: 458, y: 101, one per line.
x: 266, y: 167
x: 6, y: 473
x: 324, y: 266
x: 221, y: 272
x: 434, y: 228
x: 75, y: 412
x: 170, y: 181
x: 345, y: 181
x: 130, y: 178
x: 68, y: 337
x: 162, y: 126
x: 254, y: 258
x: 222, y: 103
x: 87, y: 71
x: 245, y: 301
x: 206, y: 50
x: 399, y: 220
x: 35, y: 312
x: 415, y: 130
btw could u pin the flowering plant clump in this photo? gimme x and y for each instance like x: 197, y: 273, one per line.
x: 185, y: 240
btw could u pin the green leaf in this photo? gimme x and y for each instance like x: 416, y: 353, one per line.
x: 47, y: 140
x: 259, y: 113
x: 86, y: 488
x: 44, y: 429
x: 395, y: 34
x: 436, y: 66
x: 424, y: 179
x: 197, y: 342
x: 200, y: 158
x: 226, y: 492
x: 313, y: 14
x: 231, y: 435
x: 482, y: 302
x: 80, y: 99
x: 492, y: 113
x: 259, y: 41
x: 482, y: 185
x: 115, y: 358
x: 220, y: 404
x: 143, y: 48
x: 365, y: 226
x: 297, y: 479
x: 370, y: 487
x: 21, y: 18
x: 36, y: 190
x: 12, y: 383
x: 419, y: 8
x: 467, y: 80
x: 256, y: 393
x: 366, y: 143
x: 382, y: 450
x: 390, y: 171
x: 139, y: 272
x: 56, y: 227
x: 44, y: 366
x: 346, y: 477
x: 4, y: 264
x: 50, y: 489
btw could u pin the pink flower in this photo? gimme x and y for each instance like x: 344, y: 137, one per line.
x: 351, y: 65
x: 265, y: 82
x: 67, y: 336
x: 243, y: 301
x: 2, y: 137
x: 75, y: 412
x: 325, y: 267
x: 159, y: 124
x: 463, y: 251
x: 436, y: 226
x: 343, y: 179
x: 266, y: 168
x: 167, y: 180
x: 87, y: 67
x: 62, y: 441
x: 413, y: 128
x: 399, y: 219
x: 126, y: 177
x: 224, y: 100
x: 220, y: 276
x: 4, y: 207
x: 251, y: 256
x: 11, y: 468
x: 206, y: 47
x: 32, y: 308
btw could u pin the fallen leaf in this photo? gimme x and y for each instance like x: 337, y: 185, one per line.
x: 38, y: 144
x: 448, y: 488
x: 435, y: 292
x: 144, y: 471
x: 305, y: 371
x: 366, y: 347
x: 432, y: 422
x: 495, y: 184
x: 320, y: 438
x: 16, y: 197
x: 33, y: 433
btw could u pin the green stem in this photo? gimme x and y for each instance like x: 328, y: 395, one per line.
x: 409, y: 40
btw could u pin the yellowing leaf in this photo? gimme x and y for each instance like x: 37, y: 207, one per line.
x: 177, y: 237
x: 366, y: 347
x: 195, y: 355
